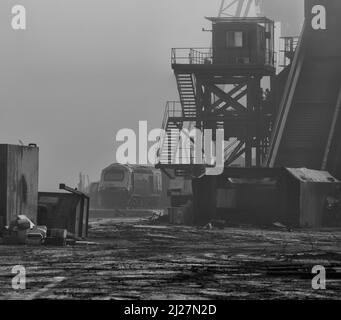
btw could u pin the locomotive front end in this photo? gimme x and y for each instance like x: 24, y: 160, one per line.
x: 115, y: 187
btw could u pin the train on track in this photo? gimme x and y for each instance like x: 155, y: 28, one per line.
x: 127, y: 186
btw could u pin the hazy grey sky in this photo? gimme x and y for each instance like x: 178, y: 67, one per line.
x: 84, y: 69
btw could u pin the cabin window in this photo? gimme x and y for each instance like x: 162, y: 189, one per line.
x: 114, y: 176
x: 234, y: 39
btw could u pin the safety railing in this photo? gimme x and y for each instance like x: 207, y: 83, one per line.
x: 290, y: 43
x: 287, y: 50
x: 201, y: 56
x: 180, y: 152
x: 173, y: 110
x: 192, y: 56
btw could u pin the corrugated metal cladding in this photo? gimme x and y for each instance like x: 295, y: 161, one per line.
x: 308, y: 127
x: 18, y: 182
x: 310, y: 118
x: 296, y: 197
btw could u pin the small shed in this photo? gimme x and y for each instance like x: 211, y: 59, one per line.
x: 261, y: 196
x: 242, y: 41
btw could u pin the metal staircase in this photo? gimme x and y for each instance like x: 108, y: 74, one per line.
x: 178, y: 116
x: 186, y: 90
x: 169, y: 143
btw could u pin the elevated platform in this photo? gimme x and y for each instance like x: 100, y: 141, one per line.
x: 223, y: 70
x: 200, y: 61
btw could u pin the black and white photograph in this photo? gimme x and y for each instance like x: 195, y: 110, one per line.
x: 170, y: 155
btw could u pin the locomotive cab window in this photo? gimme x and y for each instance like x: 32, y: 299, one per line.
x: 234, y: 39
x: 114, y: 176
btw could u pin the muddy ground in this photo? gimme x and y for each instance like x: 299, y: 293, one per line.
x: 133, y: 258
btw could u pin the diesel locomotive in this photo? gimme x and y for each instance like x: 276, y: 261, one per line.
x: 129, y: 186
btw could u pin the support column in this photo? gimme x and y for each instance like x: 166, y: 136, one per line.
x: 248, y: 133
x: 259, y: 121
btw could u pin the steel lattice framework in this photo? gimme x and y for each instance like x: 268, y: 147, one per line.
x: 239, y: 8
x: 215, y: 96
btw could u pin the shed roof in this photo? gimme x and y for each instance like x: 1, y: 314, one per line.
x: 308, y: 175
x: 239, y: 19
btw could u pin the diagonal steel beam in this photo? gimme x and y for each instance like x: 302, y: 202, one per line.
x: 227, y: 105
x: 224, y: 7
x: 216, y: 104
x: 237, y: 152
x: 227, y: 98
x: 239, y: 8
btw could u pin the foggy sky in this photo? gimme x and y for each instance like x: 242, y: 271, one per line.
x: 84, y: 69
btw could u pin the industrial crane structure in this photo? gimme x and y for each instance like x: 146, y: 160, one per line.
x: 220, y: 88
x: 239, y: 8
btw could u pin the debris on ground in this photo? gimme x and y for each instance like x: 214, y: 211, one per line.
x: 280, y: 225
x: 133, y: 260
x: 22, y: 231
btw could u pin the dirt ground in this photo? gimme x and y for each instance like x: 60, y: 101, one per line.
x: 133, y: 258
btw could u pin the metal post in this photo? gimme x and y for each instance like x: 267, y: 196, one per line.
x: 249, y: 138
